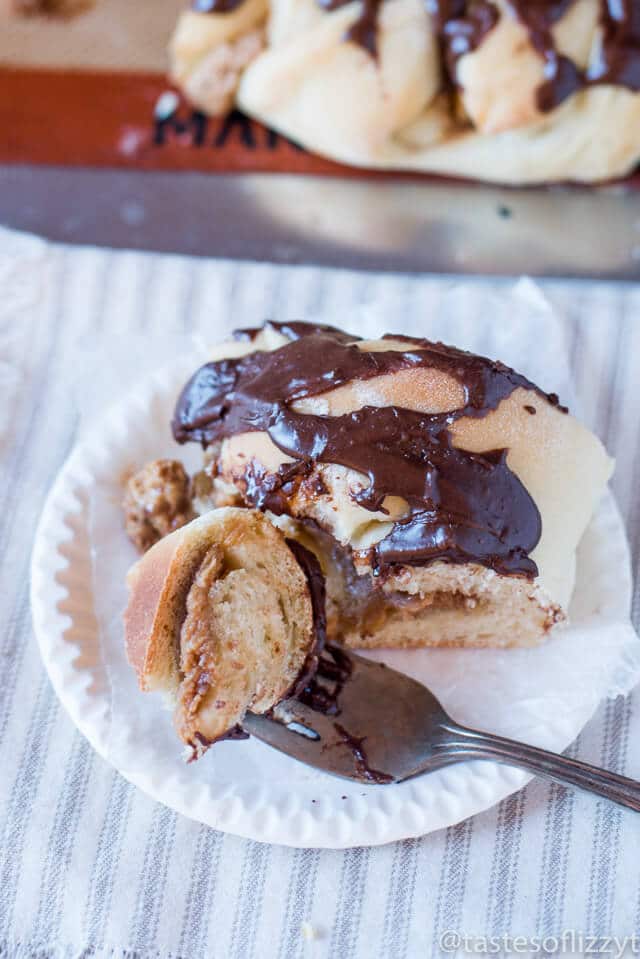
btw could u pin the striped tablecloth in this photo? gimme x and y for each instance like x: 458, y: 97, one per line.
x: 89, y: 867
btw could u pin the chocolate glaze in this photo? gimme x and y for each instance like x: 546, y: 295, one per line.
x: 315, y: 580
x: 325, y: 662
x: 463, y: 507
x: 293, y: 330
x: 619, y: 61
x: 462, y: 25
x: 356, y: 745
x: 364, y: 30
x: 333, y: 666
x: 200, y: 743
x: 215, y: 6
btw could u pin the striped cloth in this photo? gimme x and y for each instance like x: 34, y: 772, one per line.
x: 90, y: 867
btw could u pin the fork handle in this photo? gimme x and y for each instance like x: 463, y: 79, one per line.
x: 465, y: 743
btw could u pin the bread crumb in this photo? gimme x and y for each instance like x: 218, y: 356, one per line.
x: 157, y: 501
x: 308, y: 932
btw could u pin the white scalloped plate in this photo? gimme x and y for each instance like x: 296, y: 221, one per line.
x: 544, y: 695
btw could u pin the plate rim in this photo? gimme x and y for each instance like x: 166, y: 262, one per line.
x: 62, y: 508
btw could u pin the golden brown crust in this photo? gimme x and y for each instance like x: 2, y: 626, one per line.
x: 220, y: 617
x: 158, y: 586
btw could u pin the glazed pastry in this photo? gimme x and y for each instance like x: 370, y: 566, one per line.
x: 502, y: 90
x: 443, y: 493
x: 224, y: 615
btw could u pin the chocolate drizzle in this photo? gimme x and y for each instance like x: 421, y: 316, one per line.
x: 463, y: 24
x: 562, y: 76
x: 462, y: 506
x: 364, y: 30
x: 356, y: 745
x: 215, y: 6
x: 326, y: 670
x: 322, y: 694
x: 334, y: 667
x: 293, y: 330
x: 200, y: 743
x: 315, y: 581
x: 461, y: 27
x: 619, y: 60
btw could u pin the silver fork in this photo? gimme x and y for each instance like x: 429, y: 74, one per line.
x: 363, y: 720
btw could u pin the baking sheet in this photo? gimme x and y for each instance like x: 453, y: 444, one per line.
x: 407, y: 227
x: 75, y: 141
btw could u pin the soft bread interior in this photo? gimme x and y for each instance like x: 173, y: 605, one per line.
x: 446, y: 605
x: 220, y: 617
x: 442, y: 604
